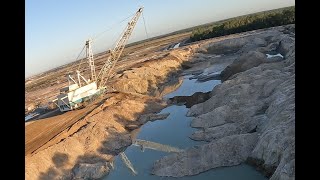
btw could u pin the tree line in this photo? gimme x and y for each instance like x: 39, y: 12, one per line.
x: 250, y: 22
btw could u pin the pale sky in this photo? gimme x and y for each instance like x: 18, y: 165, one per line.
x: 56, y: 30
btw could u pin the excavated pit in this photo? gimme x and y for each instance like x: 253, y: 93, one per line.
x: 118, y: 129
x: 169, y: 136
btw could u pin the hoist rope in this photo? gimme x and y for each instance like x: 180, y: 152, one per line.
x: 145, y: 28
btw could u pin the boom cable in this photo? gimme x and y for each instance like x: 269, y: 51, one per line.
x: 108, y: 29
x: 111, y: 27
x: 81, y: 59
x: 98, y: 35
x: 145, y: 28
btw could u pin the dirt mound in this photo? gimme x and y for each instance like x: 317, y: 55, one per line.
x: 150, y: 78
x: 228, y: 46
x: 244, y: 62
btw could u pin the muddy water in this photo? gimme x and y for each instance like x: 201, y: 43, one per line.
x: 171, y: 133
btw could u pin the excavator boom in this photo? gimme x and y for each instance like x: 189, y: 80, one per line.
x: 115, y: 54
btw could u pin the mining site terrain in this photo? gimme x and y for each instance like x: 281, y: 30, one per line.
x: 248, y: 118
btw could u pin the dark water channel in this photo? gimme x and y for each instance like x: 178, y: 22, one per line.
x: 164, y: 136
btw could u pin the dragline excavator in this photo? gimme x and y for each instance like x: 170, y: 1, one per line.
x: 80, y: 89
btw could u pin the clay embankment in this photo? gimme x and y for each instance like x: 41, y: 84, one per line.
x: 250, y: 117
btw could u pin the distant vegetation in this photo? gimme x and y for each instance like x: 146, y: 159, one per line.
x: 250, y: 22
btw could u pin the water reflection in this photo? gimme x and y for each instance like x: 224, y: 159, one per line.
x: 128, y: 163
x: 143, y: 144
x: 155, y: 146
